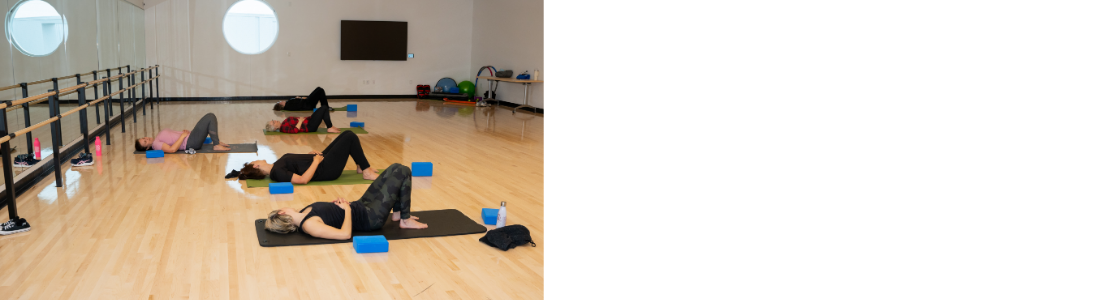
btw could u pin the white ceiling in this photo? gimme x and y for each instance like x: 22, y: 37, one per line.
x: 140, y: 3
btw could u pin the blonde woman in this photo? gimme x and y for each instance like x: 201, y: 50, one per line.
x: 337, y: 219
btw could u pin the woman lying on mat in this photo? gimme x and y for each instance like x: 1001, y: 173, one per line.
x: 171, y: 141
x: 304, y: 103
x: 315, y: 166
x: 303, y: 124
x: 335, y: 220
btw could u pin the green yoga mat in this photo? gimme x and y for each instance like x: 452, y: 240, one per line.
x: 356, y: 130
x: 345, y: 108
x: 348, y: 177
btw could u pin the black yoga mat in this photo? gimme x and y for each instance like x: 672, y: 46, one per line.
x: 440, y: 223
x: 209, y: 148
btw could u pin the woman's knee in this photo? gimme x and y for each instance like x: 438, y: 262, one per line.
x: 400, y: 169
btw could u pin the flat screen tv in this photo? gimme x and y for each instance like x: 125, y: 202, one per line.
x: 373, y: 40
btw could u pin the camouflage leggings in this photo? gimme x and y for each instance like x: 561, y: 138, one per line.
x: 392, y: 191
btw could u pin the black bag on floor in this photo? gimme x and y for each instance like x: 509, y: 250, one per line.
x: 508, y: 237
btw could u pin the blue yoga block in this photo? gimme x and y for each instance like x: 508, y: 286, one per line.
x: 489, y: 216
x: 422, y: 169
x: 370, y: 244
x: 208, y: 141
x: 154, y: 153
x: 353, y: 107
x: 314, y: 109
x: 280, y: 188
x: 357, y: 124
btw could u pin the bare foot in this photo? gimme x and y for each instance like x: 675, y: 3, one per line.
x: 369, y: 176
x: 333, y: 130
x: 221, y: 148
x: 412, y: 224
x: 224, y: 144
x: 358, y: 170
x: 397, y: 217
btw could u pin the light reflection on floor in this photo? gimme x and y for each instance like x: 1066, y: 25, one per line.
x: 236, y: 161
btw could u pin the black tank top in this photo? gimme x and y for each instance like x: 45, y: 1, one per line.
x: 296, y: 104
x: 332, y: 215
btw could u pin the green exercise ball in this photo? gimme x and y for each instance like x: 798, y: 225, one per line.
x: 467, y: 87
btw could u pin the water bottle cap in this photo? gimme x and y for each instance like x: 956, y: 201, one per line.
x: 502, y: 203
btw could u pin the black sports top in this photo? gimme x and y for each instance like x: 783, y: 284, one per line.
x: 296, y: 104
x: 288, y: 165
x: 332, y: 215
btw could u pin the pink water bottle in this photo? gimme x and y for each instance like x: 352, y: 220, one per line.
x: 98, y: 147
x: 37, y: 149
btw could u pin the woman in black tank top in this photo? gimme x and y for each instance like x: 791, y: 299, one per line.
x: 337, y: 219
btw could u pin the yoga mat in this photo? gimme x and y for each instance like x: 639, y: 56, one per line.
x: 348, y: 177
x: 209, y: 148
x: 440, y: 223
x: 345, y: 108
x: 356, y: 130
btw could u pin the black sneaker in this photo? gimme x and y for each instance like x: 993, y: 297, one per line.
x: 84, y: 159
x: 15, y: 226
x: 24, y: 160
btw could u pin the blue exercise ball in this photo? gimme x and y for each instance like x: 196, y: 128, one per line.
x: 446, y: 84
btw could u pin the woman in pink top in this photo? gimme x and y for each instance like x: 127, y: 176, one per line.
x: 171, y: 141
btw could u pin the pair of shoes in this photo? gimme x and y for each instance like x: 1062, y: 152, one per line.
x: 190, y: 151
x: 84, y: 159
x: 25, y: 160
x: 14, y: 226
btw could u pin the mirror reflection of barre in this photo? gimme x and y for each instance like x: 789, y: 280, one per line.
x: 129, y: 90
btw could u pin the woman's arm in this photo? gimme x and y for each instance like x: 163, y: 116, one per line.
x: 322, y: 230
x: 316, y: 228
x: 308, y: 174
x: 175, y: 147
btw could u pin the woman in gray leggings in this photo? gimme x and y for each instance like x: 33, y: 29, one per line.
x: 171, y: 141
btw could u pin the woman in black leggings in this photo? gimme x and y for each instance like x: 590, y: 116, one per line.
x: 314, y: 166
x: 335, y: 220
x: 304, y: 104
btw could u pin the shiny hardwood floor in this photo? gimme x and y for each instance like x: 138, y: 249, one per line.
x: 131, y: 228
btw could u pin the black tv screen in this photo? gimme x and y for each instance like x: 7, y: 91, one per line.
x: 373, y: 40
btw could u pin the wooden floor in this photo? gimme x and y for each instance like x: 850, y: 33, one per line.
x: 128, y: 228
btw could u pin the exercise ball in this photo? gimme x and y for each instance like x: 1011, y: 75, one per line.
x: 446, y: 84
x: 467, y: 87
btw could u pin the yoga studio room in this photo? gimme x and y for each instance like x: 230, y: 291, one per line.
x: 272, y: 149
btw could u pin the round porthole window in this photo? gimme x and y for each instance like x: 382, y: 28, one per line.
x: 250, y: 26
x: 35, y: 28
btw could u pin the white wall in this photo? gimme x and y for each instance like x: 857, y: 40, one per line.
x: 186, y: 38
x: 508, y: 35
x: 98, y: 31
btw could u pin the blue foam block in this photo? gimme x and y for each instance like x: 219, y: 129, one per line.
x: 314, y: 109
x: 489, y: 216
x: 422, y: 169
x: 357, y: 124
x: 154, y: 153
x: 370, y: 244
x: 280, y: 188
x: 353, y: 107
x: 208, y: 141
